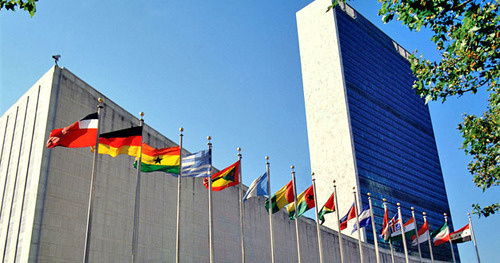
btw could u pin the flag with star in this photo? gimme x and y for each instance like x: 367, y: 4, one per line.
x: 305, y: 201
x: 164, y: 159
x: 225, y: 178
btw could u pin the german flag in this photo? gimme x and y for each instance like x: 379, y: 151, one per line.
x: 126, y: 141
x: 225, y: 178
x: 329, y: 207
x: 163, y: 159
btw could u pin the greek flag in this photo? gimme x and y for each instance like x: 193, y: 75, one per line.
x: 197, y: 164
x: 258, y: 187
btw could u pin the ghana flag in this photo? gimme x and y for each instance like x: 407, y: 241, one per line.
x: 225, y: 178
x: 281, y: 198
x: 126, y: 141
x: 163, y: 159
x: 329, y: 207
x: 305, y: 201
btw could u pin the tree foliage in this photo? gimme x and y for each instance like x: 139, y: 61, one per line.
x: 467, y: 35
x: 27, y: 5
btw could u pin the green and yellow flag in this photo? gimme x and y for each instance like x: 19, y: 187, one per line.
x: 329, y: 207
x: 305, y: 201
x: 163, y: 159
x: 281, y: 198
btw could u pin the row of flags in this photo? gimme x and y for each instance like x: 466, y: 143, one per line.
x: 84, y: 133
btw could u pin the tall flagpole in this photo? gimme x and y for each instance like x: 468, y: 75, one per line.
x: 210, y: 211
x: 416, y: 232
x: 403, y: 236
x: 86, y: 250
x: 390, y: 242
x: 320, y: 246
x: 473, y: 238
x: 242, y: 221
x: 135, y: 237
x: 449, y: 240
x: 270, y: 209
x: 178, y: 231
x: 296, y: 217
x: 377, y: 254
x: 356, y: 209
x: 429, y: 239
x: 338, y: 221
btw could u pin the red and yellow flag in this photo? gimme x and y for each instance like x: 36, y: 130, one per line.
x: 225, y: 178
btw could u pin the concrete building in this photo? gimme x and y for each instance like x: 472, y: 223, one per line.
x: 366, y: 126
x: 45, y: 196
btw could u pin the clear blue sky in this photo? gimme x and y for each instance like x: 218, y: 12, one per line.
x: 229, y: 69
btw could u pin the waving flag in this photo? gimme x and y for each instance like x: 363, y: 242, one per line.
x: 257, y: 188
x: 423, y: 235
x: 442, y: 235
x: 281, y: 198
x: 409, y: 230
x: 163, y: 159
x: 225, y: 178
x: 364, y: 218
x: 305, y: 201
x: 82, y: 133
x: 350, y: 215
x: 461, y: 235
x: 197, y: 164
x: 329, y: 207
x: 386, y: 230
x: 126, y: 141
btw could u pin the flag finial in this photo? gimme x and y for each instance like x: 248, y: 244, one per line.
x: 267, y: 157
x: 181, y: 129
x: 424, y: 213
x: 369, y: 194
x: 141, y: 114
x: 100, y: 100
x: 293, y: 167
x: 398, y: 204
x: 383, y: 199
x: 412, y: 208
x: 313, y: 177
x: 468, y: 214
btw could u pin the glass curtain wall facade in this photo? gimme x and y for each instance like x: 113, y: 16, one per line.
x: 395, y: 149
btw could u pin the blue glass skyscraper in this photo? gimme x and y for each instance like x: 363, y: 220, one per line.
x: 367, y: 128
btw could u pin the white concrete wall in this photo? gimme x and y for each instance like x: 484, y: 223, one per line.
x: 330, y: 139
x: 23, y: 129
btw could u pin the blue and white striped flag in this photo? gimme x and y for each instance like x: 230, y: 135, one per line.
x: 197, y: 164
x: 365, y: 218
x: 258, y: 187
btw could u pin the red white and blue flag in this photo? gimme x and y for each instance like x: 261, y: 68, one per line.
x: 350, y: 215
